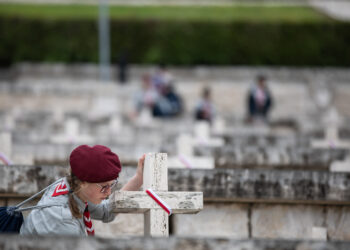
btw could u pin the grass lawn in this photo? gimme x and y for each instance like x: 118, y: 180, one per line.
x: 194, y: 13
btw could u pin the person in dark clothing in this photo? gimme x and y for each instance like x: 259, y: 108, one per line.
x: 205, y: 109
x: 123, y: 67
x: 169, y: 103
x: 259, y: 100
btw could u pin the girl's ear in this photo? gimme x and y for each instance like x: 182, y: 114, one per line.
x: 83, y: 184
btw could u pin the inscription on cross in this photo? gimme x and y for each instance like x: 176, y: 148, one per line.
x: 155, y: 177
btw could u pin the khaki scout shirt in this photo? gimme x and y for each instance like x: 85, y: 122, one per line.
x: 58, y: 219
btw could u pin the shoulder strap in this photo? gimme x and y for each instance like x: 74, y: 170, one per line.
x: 35, y: 195
x: 34, y: 207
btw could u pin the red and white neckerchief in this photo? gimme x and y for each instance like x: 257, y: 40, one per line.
x: 60, y: 189
x: 87, y: 221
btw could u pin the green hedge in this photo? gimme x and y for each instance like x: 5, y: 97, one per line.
x: 178, y: 42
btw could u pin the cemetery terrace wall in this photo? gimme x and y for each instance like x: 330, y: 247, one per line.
x: 264, y: 185
x: 251, y: 203
x: 231, y: 185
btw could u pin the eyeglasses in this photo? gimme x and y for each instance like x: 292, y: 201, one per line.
x: 105, y: 188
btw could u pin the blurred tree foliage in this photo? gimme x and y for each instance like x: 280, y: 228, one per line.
x: 177, y: 42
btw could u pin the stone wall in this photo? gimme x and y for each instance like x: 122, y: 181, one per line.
x: 272, y: 204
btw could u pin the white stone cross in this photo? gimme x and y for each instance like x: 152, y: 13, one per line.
x: 341, y: 166
x: 155, y: 177
x: 185, y: 157
x: 332, y: 120
x: 185, y: 147
x: 202, y: 135
x: 72, y: 134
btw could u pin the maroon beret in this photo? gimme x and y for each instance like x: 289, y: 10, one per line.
x: 94, y: 164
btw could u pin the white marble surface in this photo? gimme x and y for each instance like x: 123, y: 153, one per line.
x: 285, y: 222
x: 338, y: 221
x: 123, y: 224
x: 220, y: 220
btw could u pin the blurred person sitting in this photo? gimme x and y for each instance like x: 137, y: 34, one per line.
x: 205, y: 109
x: 147, y: 97
x: 162, y: 78
x: 169, y: 103
x: 259, y: 100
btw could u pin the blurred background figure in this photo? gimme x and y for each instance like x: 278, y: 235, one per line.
x: 259, y: 100
x: 169, y: 103
x: 205, y: 109
x: 147, y: 97
x: 162, y: 77
x: 123, y: 67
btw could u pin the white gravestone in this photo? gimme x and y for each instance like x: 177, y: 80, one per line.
x: 185, y: 157
x: 155, y: 177
x: 72, y: 134
x: 219, y: 126
x: 186, y: 143
x: 8, y: 156
x: 115, y: 125
x: 202, y: 135
x: 341, y: 166
x: 103, y: 107
x: 332, y: 121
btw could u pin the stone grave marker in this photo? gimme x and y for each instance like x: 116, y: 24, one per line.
x: 185, y: 157
x: 186, y: 143
x: 332, y: 121
x: 155, y: 180
x: 202, y: 135
x: 341, y: 166
x: 72, y: 134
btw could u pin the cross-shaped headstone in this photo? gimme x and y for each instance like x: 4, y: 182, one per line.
x: 341, y: 166
x: 186, y: 144
x: 185, y: 155
x: 155, y: 177
x: 72, y: 134
x: 202, y: 135
x: 332, y: 121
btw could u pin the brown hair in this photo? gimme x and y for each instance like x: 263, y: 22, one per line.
x: 74, y: 184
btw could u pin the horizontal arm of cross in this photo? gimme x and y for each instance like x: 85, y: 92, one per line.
x: 140, y: 202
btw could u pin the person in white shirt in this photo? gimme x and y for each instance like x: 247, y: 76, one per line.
x: 73, y: 201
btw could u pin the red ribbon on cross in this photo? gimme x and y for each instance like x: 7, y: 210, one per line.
x: 160, y: 202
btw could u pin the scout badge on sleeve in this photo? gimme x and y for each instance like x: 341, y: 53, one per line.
x: 60, y: 189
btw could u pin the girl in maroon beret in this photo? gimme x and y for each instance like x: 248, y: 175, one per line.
x: 67, y: 207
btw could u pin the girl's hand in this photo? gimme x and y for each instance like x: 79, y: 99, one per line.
x: 136, y: 181
x: 140, y: 166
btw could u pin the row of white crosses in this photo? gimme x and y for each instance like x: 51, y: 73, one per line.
x: 71, y: 134
x: 186, y: 144
x: 155, y: 178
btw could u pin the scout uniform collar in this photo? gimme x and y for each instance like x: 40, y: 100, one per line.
x: 62, y: 188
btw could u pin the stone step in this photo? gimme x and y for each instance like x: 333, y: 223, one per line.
x: 15, y: 242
